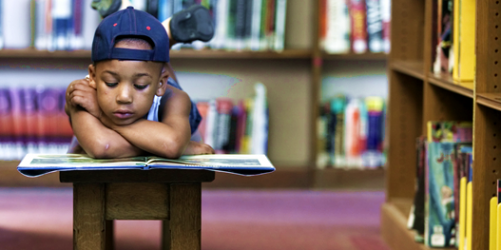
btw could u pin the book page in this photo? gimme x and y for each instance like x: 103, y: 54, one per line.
x: 76, y: 160
x: 233, y: 160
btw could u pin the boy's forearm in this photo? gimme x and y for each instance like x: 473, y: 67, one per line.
x: 155, y: 137
x: 99, y: 141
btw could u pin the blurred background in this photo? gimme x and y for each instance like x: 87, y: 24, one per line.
x: 320, y: 69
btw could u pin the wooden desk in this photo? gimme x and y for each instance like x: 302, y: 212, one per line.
x: 173, y: 196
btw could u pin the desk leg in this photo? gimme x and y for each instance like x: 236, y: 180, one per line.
x: 89, y: 224
x: 185, y: 216
x: 110, y: 233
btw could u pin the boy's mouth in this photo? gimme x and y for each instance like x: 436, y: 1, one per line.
x: 122, y: 114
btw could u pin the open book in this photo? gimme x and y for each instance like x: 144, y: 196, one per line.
x: 34, y: 165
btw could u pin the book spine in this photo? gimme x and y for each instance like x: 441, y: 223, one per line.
x: 30, y: 118
x: 90, y: 20
x: 323, y: 146
x: 152, y: 7
x: 246, y: 140
x: 374, y: 26
x: 259, y: 137
x: 248, y: 23
x: 466, y: 55
x: 61, y: 15
x: 139, y: 4
x: 386, y: 18
x: 270, y: 27
x: 337, y: 38
x: 241, y: 122
x: 78, y: 42
x: 280, y: 25
x: 19, y: 127
x: 1, y: 25
x: 16, y: 12
x: 221, y: 141
x: 222, y: 14
x: 203, y: 109
x: 231, y: 146
x: 238, y: 10
x: 352, y: 134
x: 6, y: 125
x: 32, y: 22
x: 211, y: 124
x: 338, y: 105
x: 358, y: 26
x: 256, y: 24
x: 264, y: 24
x: 164, y: 9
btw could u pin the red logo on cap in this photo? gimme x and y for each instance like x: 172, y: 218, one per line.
x: 114, y: 24
x: 148, y: 28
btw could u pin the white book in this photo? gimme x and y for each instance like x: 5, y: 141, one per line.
x: 91, y: 20
x: 386, y: 18
x: 1, y: 37
x: 211, y: 124
x: 17, y: 15
x: 139, y: 4
x: 259, y: 140
x: 280, y: 25
x: 337, y: 38
x: 40, y: 25
x: 221, y: 31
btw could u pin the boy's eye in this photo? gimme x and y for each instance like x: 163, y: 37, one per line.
x: 140, y: 86
x: 112, y: 84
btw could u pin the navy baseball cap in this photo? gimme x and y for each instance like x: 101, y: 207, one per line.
x: 130, y: 23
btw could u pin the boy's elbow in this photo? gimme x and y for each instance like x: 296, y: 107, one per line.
x: 173, y: 149
x: 100, y: 150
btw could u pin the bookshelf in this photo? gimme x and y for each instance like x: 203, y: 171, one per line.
x: 417, y: 96
x: 293, y: 78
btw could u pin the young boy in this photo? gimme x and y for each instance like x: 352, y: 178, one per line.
x: 126, y: 108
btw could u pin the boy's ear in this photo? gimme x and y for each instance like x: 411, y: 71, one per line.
x: 92, y: 75
x: 162, y: 85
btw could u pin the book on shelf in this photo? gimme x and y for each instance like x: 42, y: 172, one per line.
x: 351, y: 133
x: 453, y: 40
x: 356, y: 26
x: 440, y: 211
x: 34, y: 165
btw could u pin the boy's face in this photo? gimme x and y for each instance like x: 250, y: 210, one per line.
x: 125, y: 89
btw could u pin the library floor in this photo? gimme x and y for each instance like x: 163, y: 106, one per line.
x: 41, y: 218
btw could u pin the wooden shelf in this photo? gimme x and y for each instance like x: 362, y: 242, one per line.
x: 394, y: 226
x: 446, y: 82
x: 411, y: 68
x: 353, y: 56
x: 185, y: 54
x: 491, y: 100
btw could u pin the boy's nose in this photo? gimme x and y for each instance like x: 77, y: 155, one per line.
x: 124, y: 94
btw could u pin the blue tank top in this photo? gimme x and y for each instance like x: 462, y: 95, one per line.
x: 157, y: 109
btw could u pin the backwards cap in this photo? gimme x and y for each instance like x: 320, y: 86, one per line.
x: 130, y: 23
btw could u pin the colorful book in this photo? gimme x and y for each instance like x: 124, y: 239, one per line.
x: 374, y: 26
x: 358, y: 26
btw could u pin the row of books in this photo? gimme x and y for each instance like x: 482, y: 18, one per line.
x: 453, y: 40
x: 70, y: 24
x: 33, y: 120
x: 351, y: 133
x: 47, y: 24
x: 442, y: 210
x: 356, y: 26
x: 240, y: 127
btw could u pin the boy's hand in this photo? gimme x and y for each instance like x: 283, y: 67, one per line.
x: 81, y: 93
x: 197, y: 148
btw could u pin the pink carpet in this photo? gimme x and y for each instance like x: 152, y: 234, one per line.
x: 42, y: 219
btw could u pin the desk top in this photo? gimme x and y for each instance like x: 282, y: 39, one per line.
x: 152, y: 175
